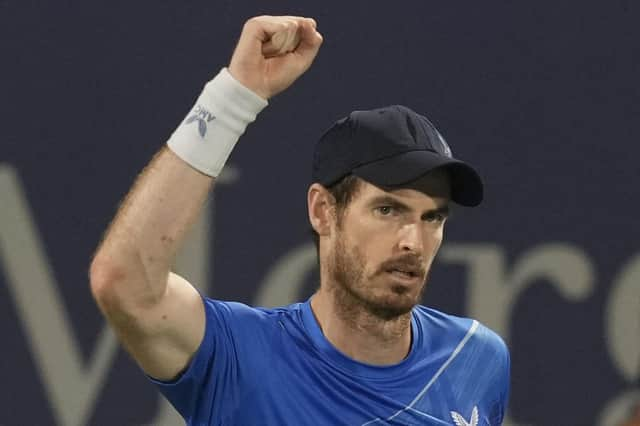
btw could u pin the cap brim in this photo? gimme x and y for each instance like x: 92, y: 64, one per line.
x: 466, y: 184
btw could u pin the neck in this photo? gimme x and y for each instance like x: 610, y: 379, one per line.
x: 358, y: 333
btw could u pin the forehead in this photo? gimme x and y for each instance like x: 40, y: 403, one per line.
x: 434, y: 188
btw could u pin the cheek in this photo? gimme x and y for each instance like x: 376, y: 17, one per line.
x: 434, y: 239
x: 440, y: 238
x: 439, y: 235
x: 369, y: 249
x: 372, y: 240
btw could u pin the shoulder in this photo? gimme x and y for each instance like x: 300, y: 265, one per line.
x: 248, y: 331
x: 234, y: 314
x: 475, y: 355
x: 467, y: 331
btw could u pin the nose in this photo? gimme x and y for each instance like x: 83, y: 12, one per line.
x: 411, y: 238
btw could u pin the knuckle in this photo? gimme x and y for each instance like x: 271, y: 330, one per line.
x: 251, y: 23
x: 257, y: 20
x: 311, y: 22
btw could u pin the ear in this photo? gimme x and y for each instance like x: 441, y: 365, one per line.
x: 320, y: 205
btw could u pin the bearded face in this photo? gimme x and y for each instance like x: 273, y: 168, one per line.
x: 383, y: 246
x: 362, y: 284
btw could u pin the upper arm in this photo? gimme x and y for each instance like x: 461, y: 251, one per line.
x: 161, y: 336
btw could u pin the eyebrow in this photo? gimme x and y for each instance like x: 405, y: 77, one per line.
x: 444, y: 210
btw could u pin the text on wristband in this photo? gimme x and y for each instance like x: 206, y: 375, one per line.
x: 202, y: 117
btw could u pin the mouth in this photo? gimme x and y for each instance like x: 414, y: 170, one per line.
x: 405, y: 275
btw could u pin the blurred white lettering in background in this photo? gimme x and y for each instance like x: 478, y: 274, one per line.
x: 494, y: 288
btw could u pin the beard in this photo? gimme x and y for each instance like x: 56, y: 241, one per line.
x: 354, y: 289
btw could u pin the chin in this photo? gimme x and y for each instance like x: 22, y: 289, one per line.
x: 391, y: 306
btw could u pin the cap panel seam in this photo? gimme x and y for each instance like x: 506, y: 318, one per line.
x: 396, y: 154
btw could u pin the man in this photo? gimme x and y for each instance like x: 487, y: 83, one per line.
x: 359, y: 351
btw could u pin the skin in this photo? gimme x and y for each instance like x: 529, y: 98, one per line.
x: 363, y: 305
x: 158, y: 315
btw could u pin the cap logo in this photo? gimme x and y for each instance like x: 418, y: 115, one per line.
x: 445, y: 147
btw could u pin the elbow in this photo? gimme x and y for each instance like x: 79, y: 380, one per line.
x: 119, y: 286
x: 105, y: 276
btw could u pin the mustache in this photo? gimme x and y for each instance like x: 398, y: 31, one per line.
x: 408, y: 262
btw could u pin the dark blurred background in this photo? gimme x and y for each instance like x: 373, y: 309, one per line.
x: 542, y: 97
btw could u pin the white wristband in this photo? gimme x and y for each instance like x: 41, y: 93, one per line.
x: 220, y: 116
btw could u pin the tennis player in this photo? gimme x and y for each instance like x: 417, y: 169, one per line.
x: 360, y: 351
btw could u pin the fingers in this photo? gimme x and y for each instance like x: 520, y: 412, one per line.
x: 283, y: 41
x: 273, y: 51
x: 282, y: 35
x: 310, y: 38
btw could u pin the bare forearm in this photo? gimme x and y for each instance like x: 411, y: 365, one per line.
x: 159, y: 316
x: 153, y: 221
x: 168, y: 196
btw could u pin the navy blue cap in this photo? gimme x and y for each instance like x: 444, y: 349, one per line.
x: 389, y: 147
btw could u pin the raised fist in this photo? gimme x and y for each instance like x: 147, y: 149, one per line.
x: 273, y: 51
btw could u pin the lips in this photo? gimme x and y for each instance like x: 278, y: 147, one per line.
x: 407, y: 269
x: 406, y: 275
x: 407, y: 272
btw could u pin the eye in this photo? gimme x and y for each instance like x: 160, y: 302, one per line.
x: 384, y: 210
x: 435, y: 217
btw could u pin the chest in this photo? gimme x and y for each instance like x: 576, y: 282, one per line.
x: 303, y: 389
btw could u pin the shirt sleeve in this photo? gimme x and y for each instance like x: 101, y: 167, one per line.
x: 197, y: 393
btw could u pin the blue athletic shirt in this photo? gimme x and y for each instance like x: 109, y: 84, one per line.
x: 259, y: 366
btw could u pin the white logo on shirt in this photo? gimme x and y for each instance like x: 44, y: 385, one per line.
x: 460, y: 421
